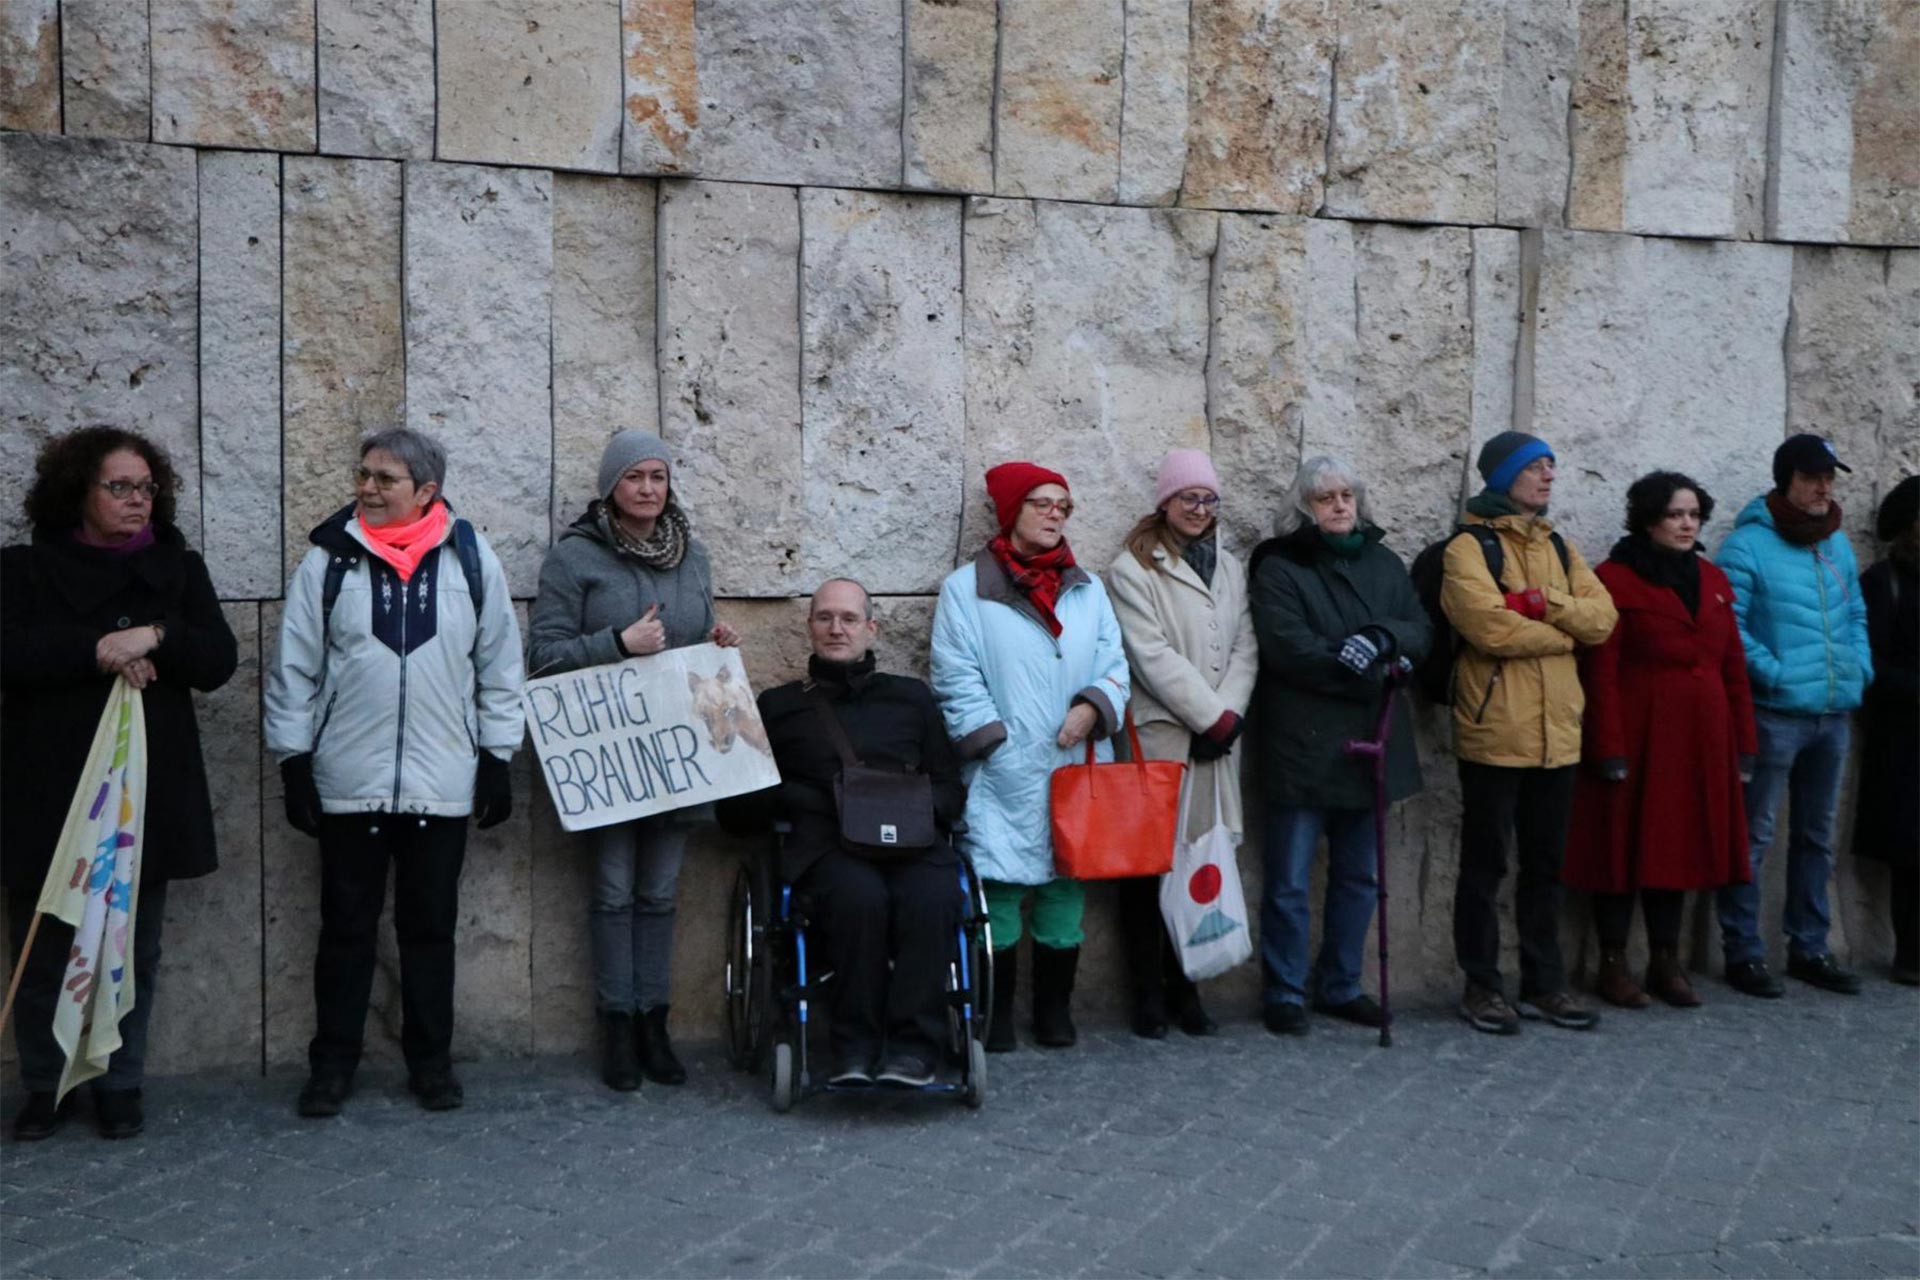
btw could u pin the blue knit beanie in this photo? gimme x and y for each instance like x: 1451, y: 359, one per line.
x: 1504, y: 457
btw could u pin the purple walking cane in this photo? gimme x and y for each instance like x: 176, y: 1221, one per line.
x: 1376, y: 748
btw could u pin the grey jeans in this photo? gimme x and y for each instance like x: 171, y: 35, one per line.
x: 635, y: 888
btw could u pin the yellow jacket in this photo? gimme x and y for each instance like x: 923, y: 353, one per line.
x: 1516, y: 694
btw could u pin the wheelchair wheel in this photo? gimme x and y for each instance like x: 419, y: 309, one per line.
x: 781, y: 1094
x: 743, y: 989
x: 975, y: 1091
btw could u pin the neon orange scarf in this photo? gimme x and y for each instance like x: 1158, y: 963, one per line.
x: 404, y: 545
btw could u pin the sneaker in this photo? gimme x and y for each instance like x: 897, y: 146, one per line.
x: 1285, y: 1019
x: 1488, y: 1011
x: 325, y: 1093
x: 40, y: 1118
x: 1753, y: 978
x: 117, y: 1113
x: 438, y: 1090
x: 1361, y: 1010
x: 1561, y: 1009
x: 905, y: 1071
x: 1824, y: 972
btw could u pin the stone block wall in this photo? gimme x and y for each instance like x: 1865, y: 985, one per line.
x: 845, y: 255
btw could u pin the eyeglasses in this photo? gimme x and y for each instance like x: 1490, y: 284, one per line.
x: 1201, y: 501
x: 386, y: 481
x: 127, y: 488
x: 1046, y: 506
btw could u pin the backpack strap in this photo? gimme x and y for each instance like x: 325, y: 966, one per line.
x: 467, y: 545
x: 1490, y: 548
x: 1566, y: 557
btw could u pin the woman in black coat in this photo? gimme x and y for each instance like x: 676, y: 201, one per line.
x: 106, y: 589
x: 1887, y: 828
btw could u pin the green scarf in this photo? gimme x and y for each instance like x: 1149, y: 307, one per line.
x: 1490, y: 504
x: 1347, y: 546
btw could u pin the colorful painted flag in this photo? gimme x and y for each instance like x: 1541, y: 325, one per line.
x: 94, y: 885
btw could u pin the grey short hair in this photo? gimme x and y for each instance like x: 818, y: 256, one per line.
x: 1296, y: 509
x: 426, y: 458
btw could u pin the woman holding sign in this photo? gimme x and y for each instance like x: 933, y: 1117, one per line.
x: 628, y: 579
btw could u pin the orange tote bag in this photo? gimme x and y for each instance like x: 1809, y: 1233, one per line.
x: 1116, y: 820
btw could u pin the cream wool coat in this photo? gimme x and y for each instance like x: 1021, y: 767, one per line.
x: 1192, y: 653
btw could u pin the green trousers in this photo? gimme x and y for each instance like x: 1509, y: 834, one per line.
x: 1057, y: 907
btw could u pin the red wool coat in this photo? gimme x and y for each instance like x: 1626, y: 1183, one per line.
x: 1668, y: 694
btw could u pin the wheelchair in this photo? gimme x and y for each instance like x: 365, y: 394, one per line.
x: 773, y: 986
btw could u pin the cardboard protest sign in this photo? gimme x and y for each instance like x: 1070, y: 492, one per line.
x: 648, y: 735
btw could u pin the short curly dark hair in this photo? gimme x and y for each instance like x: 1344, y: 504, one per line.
x: 69, y: 465
x: 1647, y: 498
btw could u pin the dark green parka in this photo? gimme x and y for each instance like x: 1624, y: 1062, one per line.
x: 1306, y: 600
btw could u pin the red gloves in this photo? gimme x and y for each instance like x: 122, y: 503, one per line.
x: 1225, y: 728
x: 1528, y: 604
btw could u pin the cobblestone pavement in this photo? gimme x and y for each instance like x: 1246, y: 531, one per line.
x: 1748, y: 1138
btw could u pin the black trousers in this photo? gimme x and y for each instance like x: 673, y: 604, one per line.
x: 1159, y: 982
x: 1664, y: 909
x: 425, y: 855
x: 1527, y: 809
x: 41, y: 1058
x: 871, y: 913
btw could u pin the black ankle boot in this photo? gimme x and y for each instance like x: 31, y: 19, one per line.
x: 1006, y: 972
x: 621, y: 1067
x: 656, y: 1050
x: 1053, y: 970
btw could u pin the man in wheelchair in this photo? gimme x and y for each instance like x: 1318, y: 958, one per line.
x: 874, y: 905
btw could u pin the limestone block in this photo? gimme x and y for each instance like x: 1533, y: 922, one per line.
x: 240, y: 370
x: 661, y: 86
x: 1656, y: 353
x: 1853, y: 370
x: 343, y: 364
x: 603, y: 331
x: 1847, y: 132
x: 1153, y: 117
x: 948, y: 116
x: 209, y: 1012
x: 1538, y: 56
x: 234, y: 73
x: 376, y: 78
x: 730, y: 375
x: 1390, y: 372
x: 98, y: 302
x: 105, y: 60
x: 1261, y: 78
x: 773, y: 638
x: 1671, y: 98
x: 561, y: 954
x: 800, y: 93
x: 532, y: 82
x: 1256, y: 368
x: 906, y: 634
x: 30, y: 66
x: 1086, y: 335
x: 1416, y: 102
x: 883, y: 387
x: 1497, y: 309
x: 479, y: 281
x: 1057, y: 133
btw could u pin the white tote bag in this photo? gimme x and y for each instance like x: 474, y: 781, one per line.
x: 1200, y: 898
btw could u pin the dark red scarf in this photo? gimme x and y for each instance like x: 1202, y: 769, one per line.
x: 1796, y: 526
x: 1038, y: 576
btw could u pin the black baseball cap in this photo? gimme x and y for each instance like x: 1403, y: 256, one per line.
x: 1805, y: 452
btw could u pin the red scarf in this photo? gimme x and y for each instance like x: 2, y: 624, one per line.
x: 1037, y: 576
x: 1796, y: 526
x: 404, y: 545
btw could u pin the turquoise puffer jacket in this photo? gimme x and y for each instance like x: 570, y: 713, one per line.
x: 1802, y: 618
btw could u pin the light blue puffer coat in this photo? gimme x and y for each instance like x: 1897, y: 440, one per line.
x: 1004, y: 685
x: 1801, y: 615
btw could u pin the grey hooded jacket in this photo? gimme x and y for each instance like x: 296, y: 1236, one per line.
x: 589, y: 593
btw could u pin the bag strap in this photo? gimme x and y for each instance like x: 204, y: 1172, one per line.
x: 1133, y: 740
x: 835, y: 730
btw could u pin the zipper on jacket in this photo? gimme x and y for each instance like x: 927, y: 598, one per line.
x: 400, y: 720
x: 325, y: 717
x: 1826, y: 630
x: 1487, y: 697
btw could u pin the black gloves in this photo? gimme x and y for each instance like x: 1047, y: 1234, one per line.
x: 492, y: 791
x: 302, y: 797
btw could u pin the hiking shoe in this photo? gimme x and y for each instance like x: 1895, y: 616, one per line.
x: 117, y: 1113
x: 1488, y: 1011
x: 324, y: 1094
x: 438, y: 1090
x: 1285, y: 1019
x: 1753, y: 978
x: 1361, y: 1011
x: 40, y: 1118
x: 905, y: 1071
x: 1824, y: 972
x: 1561, y: 1009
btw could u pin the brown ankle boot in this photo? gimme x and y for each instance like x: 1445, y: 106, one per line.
x: 1667, y: 978
x: 1615, y: 985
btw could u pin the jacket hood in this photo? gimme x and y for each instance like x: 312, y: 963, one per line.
x: 1755, y: 512
x: 586, y: 525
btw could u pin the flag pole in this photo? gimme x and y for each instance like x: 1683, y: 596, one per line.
x: 19, y: 969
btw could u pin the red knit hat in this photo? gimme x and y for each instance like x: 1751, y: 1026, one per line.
x: 1009, y: 483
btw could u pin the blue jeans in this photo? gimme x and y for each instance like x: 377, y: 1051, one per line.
x: 1804, y: 756
x: 1352, y: 890
x: 635, y: 890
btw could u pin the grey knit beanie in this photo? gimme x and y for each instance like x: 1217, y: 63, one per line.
x: 626, y: 449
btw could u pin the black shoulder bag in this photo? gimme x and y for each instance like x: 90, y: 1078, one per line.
x: 884, y: 813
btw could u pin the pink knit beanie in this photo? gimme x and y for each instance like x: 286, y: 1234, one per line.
x: 1184, y: 469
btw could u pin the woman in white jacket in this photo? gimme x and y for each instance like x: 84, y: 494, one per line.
x: 1181, y: 599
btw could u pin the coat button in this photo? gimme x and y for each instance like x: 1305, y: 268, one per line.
x: 124, y: 622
